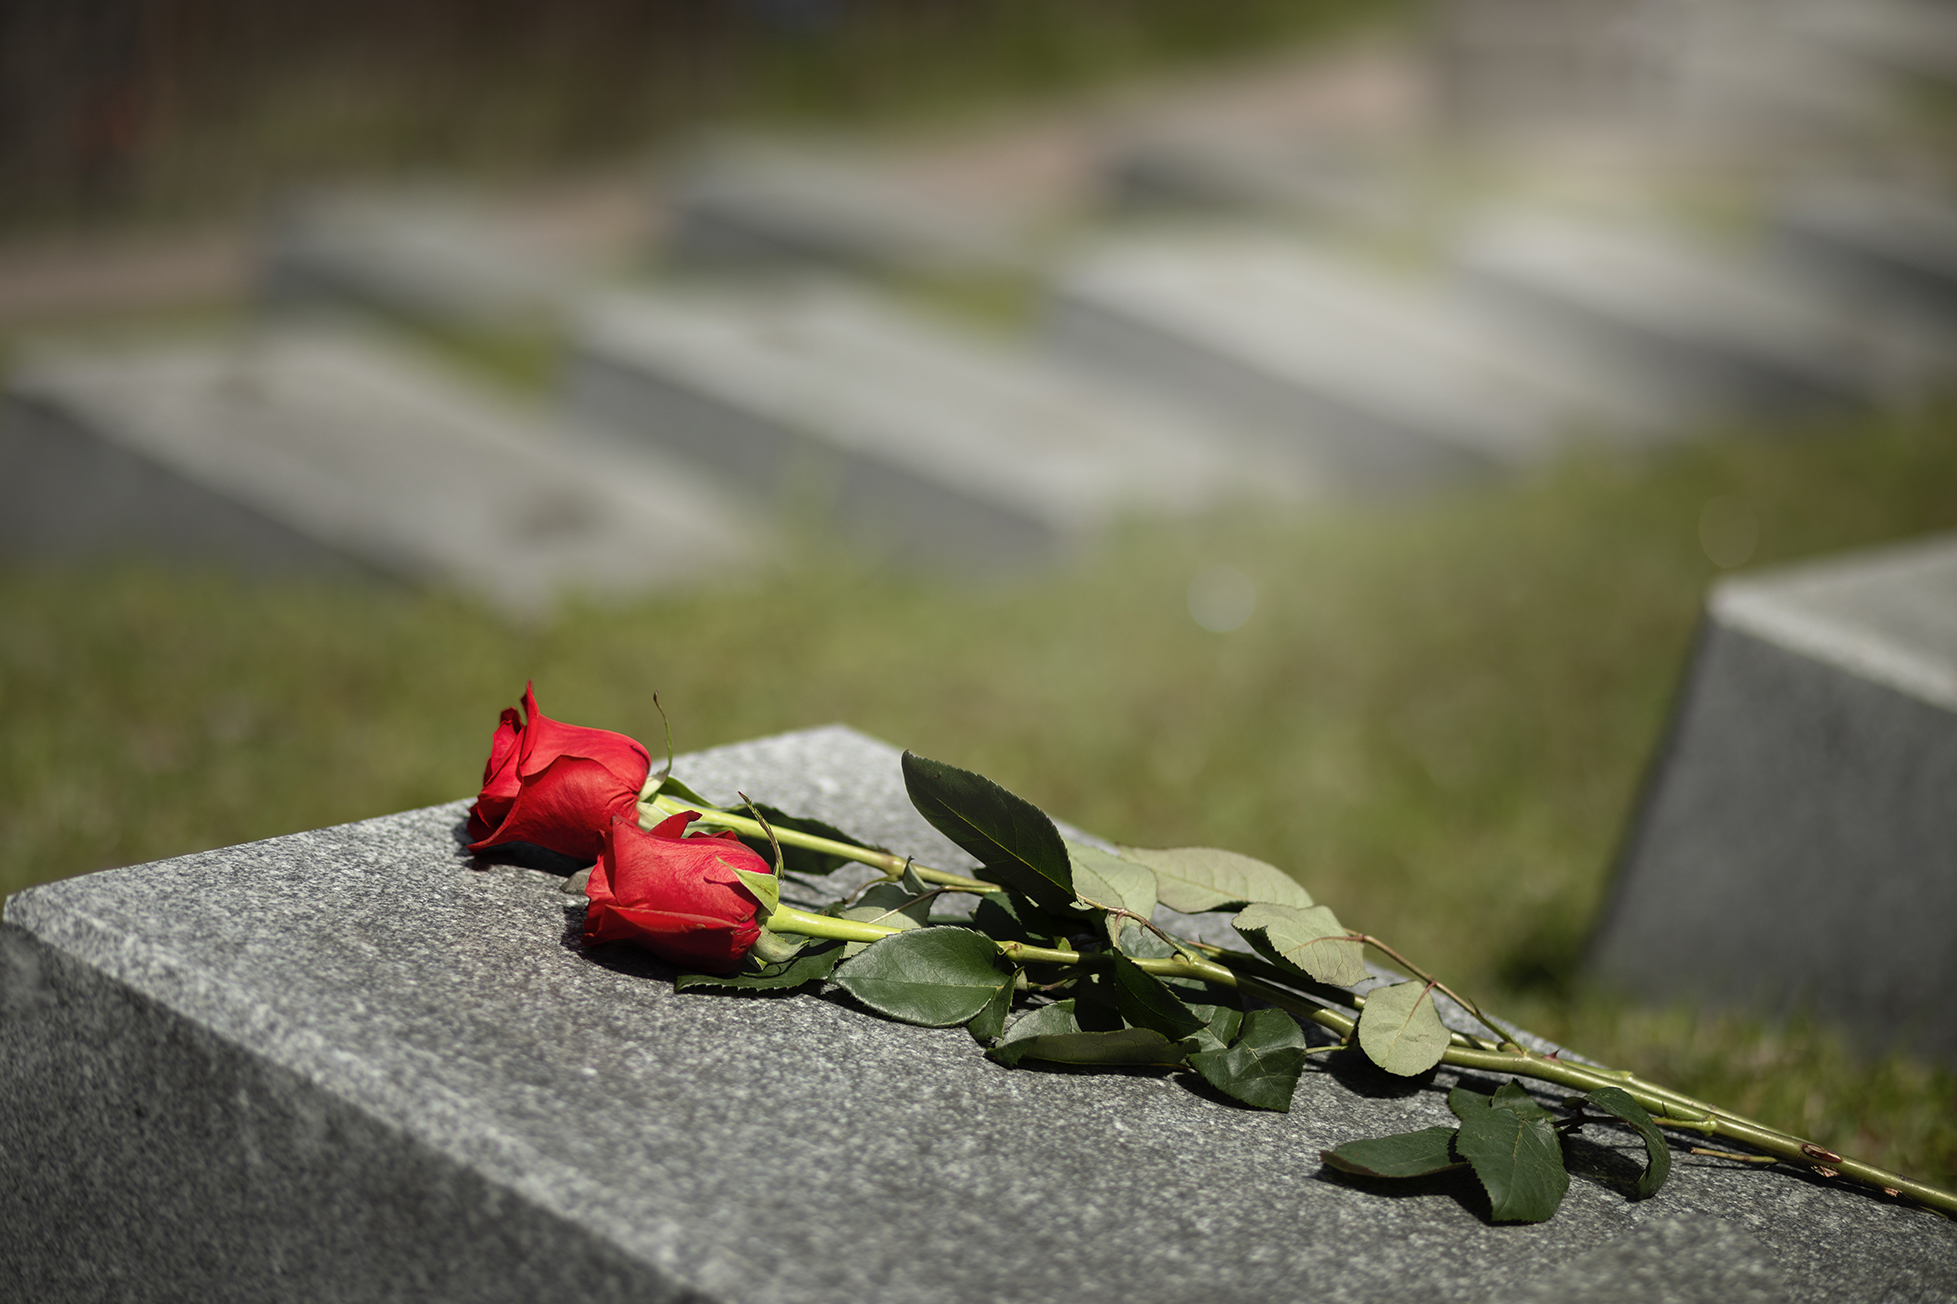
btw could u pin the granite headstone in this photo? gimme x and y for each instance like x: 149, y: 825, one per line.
x: 1797, y: 846
x: 357, y: 1064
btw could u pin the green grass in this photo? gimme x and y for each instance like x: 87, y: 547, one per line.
x: 1437, y: 717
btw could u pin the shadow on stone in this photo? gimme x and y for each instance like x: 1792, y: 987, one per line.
x: 1458, y: 1183
x: 524, y: 855
x: 1604, y: 1164
x: 619, y: 957
x: 1352, y: 1070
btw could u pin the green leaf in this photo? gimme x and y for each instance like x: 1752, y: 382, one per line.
x: 894, y: 905
x: 1051, y: 1034
x: 1044, y: 1021
x: 1221, y: 1023
x: 1405, y: 1154
x: 1621, y: 1104
x: 766, y: 888
x: 815, y: 961
x: 1308, y: 939
x: 672, y: 786
x: 1010, y: 917
x: 1123, y: 1047
x: 1139, y: 943
x: 1009, y: 835
x: 1195, y: 879
x: 1145, y: 1002
x: 1108, y: 881
x: 933, y: 976
x: 771, y: 947
x: 1512, y: 1095
x: 1261, y: 1068
x: 1399, y: 1029
x: 989, y: 1022
x: 1518, y: 1157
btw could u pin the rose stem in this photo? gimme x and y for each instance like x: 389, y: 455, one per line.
x: 1674, y: 1109
x: 892, y: 865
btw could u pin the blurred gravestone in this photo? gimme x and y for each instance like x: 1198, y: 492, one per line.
x: 311, y: 449
x: 1316, y: 138
x: 896, y: 431
x: 356, y: 1064
x: 1322, y: 182
x: 751, y: 203
x: 1738, y: 77
x: 1724, y: 329
x: 1895, y: 244
x: 1379, y: 379
x: 1797, y: 847
x: 440, y: 262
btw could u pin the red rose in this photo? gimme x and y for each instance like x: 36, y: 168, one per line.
x: 555, y: 785
x: 676, y: 896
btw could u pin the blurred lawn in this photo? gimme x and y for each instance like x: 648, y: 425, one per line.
x: 1437, y: 717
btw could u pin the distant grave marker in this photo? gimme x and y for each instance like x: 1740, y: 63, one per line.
x: 1894, y: 244
x: 1724, y: 329
x: 753, y: 204
x: 313, y: 449
x: 892, y: 429
x: 1797, y: 846
x: 1379, y: 379
x: 444, y: 263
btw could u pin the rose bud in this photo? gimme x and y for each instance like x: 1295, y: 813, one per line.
x: 676, y: 896
x: 555, y: 785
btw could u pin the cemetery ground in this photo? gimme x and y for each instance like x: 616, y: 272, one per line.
x: 1437, y: 714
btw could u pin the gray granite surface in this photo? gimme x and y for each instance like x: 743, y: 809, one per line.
x: 357, y: 1064
x: 1797, y: 843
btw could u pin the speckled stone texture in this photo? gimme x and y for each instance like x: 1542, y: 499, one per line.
x: 355, y: 1064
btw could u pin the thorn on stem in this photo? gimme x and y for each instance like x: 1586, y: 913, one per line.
x: 1813, y: 1151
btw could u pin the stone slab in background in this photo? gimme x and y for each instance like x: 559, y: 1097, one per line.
x: 1381, y: 379
x: 1797, y: 846
x: 1723, y: 328
x: 1895, y: 243
x: 309, y: 449
x: 439, y: 261
x: 1325, y: 183
x: 753, y: 203
x: 1314, y: 138
x: 354, y: 1064
x: 897, y: 431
